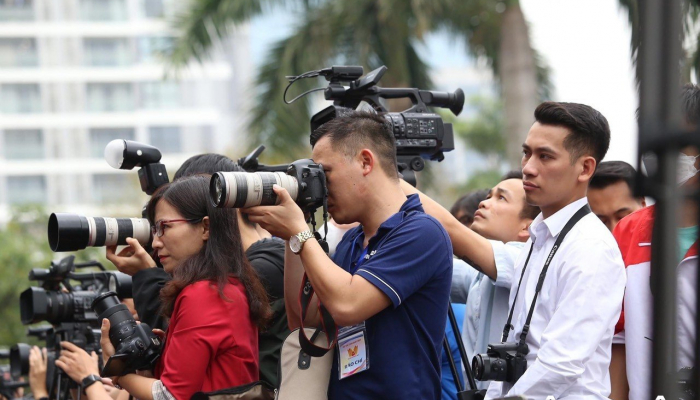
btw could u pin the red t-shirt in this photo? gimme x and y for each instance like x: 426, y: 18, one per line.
x: 211, y: 343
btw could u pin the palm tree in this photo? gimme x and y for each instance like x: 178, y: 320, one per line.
x: 370, y: 33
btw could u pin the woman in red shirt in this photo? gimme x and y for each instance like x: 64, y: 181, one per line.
x: 215, y: 301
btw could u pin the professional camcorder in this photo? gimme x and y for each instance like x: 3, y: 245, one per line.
x: 419, y: 133
x: 57, y: 300
x: 503, y: 362
x: 136, y: 347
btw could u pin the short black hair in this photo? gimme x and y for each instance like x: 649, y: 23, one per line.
x: 209, y: 164
x: 589, y: 130
x: 361, y: 129
x: 690, y: 98
x: 610, y: 172
x: 468, y: 204
x: 529, y: 211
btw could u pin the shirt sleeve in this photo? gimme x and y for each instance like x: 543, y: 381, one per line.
x: 589, y: 298
x: 200, y: 328
x: 409, y: 258
x: 505, y: 255
x: 146, y: 291
x: 462, y: 278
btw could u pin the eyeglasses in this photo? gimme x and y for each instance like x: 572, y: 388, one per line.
x: 157, y: 229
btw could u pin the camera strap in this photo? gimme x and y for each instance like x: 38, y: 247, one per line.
x: 526, y: 328
x: 306, y: 293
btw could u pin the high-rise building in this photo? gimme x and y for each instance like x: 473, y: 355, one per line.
x: 76, y: 74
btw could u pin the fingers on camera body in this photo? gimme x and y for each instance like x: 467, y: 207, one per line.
x: 131, y: 259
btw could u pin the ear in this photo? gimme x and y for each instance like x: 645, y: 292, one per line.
x: 367, y: 160
x: 588, y: 165
x: 524, y: 232
x: 205, y: 224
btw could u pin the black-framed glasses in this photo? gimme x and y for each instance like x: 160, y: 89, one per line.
x: 157, y: 229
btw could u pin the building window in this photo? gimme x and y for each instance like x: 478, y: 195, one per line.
x: 106, y: 52
x: 99, y: 137
x: 103, y: 10
x: 26, y: 190
x: 150, y: 48
x: 153, y: 8
x: 18, y: 52
x: 23, y: 144
x: 16, y: 10
x: 160, y: 95
x: 166, y: 138
x: 114, y: 188
x: 105, y: 97
x: 20, y: 98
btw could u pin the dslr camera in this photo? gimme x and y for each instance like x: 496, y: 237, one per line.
x: 503, y: 362
x: 136, y: 346
x: 304, y: 180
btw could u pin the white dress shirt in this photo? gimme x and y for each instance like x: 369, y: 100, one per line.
x: 572, y: 327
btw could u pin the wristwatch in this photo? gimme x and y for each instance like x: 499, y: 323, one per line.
x: 296, y: 242
x: 89, y: 380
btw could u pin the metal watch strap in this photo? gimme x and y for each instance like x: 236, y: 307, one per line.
x: 304, y: 236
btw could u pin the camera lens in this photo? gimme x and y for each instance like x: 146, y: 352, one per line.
x: 71, y: 232
x: 37, y: 304
x: 248, y: 189
x: 19, y: 360
x: 121, y: 321
x: 478, y: 367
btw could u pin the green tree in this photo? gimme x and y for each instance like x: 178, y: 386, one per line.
x: 369, y: 33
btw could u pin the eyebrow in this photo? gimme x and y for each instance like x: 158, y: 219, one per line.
x: 623, y: 209
x: 503, y: 191
x: 545, y: 149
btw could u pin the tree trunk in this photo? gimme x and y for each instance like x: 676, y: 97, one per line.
x: 518, y: 76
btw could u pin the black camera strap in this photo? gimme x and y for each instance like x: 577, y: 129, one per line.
x: 526, y: 328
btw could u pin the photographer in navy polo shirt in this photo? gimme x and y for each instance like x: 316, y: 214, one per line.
x: 389, y: 280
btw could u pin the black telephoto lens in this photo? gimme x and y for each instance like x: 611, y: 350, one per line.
x: 19, y: 360
x: 121, y: 322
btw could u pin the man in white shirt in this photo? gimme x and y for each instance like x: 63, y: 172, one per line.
x: 503, y: 218
x: 572, y: 325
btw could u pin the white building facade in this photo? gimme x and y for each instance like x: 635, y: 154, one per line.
x: 76, y: 74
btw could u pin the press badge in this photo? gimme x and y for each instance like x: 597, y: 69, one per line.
x: 353, y: 354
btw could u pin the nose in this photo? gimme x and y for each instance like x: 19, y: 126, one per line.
x: 529, y: 168
x: 157, y: 243
x: 484, y: 203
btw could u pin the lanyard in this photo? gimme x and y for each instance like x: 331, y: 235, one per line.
x: 526, y: 328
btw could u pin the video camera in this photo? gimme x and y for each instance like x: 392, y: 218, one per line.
x: 50, y: 303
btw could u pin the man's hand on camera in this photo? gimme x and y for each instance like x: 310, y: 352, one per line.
x: 131, y: 259
x: 37, y: 372
x: 107, y: 347
x: 284, y: 220
x: 76, y: 362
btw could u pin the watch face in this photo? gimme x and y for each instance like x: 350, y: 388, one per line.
x: 295, y: 244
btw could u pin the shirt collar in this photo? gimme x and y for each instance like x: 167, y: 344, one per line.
x: 411, y: 204
x: 556, y: 222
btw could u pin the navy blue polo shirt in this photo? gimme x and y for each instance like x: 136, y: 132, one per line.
x: 410, y: 260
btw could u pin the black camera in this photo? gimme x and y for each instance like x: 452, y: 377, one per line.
x: 52, y: 304
x: 304, y: 180
x: 136, y: 347
x: 503, y: 362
